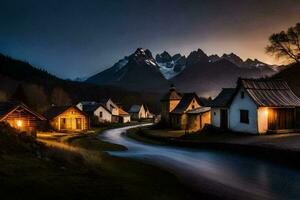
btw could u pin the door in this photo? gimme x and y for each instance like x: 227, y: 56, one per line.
x: 63, y: 123
x: 223, y: 119
x: 78, y: 123
x: 281, y: 118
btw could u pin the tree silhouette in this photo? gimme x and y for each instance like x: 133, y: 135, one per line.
x: 286, y: 44
x: 19, y: 94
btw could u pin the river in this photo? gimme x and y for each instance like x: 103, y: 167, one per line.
x: 222, y: 174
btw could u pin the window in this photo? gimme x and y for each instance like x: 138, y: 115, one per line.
x: 214, y: 113
x: 193, y: 107
x: 101, y: 114
x: 242, y: 95
x: 244, y: 116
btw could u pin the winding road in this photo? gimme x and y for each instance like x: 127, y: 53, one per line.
x: 222, y: 174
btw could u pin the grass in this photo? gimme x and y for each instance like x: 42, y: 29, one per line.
x: 75, y: 166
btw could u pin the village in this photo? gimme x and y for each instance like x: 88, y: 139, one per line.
x: 255, y: 106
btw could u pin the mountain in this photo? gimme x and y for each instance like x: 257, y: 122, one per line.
x: 208, y: 74
x: 137, y: 72
x: 197, y: 72
x: 169, y: 65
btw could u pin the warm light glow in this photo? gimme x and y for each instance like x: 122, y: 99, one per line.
x: 19, y: 123
x: 266, y: 112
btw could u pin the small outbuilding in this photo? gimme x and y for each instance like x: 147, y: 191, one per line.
x: 137, y: 112
x: 220, y: 108
x: 124, y: 117
x: 20, y: 116
x: 67, y: 118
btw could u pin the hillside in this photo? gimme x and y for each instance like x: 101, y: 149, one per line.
x: 43, y: 89
x: 291, y: 75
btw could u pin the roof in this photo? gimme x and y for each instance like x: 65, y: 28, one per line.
x: 185, y: 102
x: 224, y: 98
x: 135, y: 108
x: 9, y: 106
x: 91, y: 108
x: 122, y: 112
x: 54, y: 111
x: 199, y: 110
x: 270, y: 92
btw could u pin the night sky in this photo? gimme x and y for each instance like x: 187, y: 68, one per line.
x: 79, y: 38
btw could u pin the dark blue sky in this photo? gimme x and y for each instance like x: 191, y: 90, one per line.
x: 79, y: 38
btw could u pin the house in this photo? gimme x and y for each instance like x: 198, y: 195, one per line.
x: 168, y: 103
x: 111, y: 106
x: 220, y: 108
x: 137, y: 112
x: 20, y: 116
x: 259, y: 106
x: 178, y: 117
x: 124, y: 117
x: 149, y: 115
x: 198, y: 118
x: 67, y: 118
x: 98, y: 111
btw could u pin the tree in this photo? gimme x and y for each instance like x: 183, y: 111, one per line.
x: 59, y: 97
x: 36, y: 97
x: 286, y: 44
x: 20, y: 94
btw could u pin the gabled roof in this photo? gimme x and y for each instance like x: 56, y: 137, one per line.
x: 90, y: 109
x: 135, y: 108
x: 54, y: 111
x: 185, y: 102
x: 10, y: 106
x: 224, y: 98
x: 171, y: 95
x: 269, y: 92
x: 122, y: 112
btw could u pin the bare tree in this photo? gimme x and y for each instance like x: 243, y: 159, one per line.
x: 286, y: 44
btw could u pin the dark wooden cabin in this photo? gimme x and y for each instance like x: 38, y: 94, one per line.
x: 20, y: 116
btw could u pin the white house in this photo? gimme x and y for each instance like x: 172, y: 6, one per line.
x: 220, y: 108
x: 259, y: 106
x: 96, y: 110
x: 138, y: 112
x: 111, y: 106
x: 124, y: 117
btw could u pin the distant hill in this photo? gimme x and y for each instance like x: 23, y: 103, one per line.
x: 39, y: 86
x: 291, y: 74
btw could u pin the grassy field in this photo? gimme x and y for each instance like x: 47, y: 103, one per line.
x: 76, y: 167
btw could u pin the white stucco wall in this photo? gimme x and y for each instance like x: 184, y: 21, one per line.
x: 142, y: 113
x: 234, y: 114
x: 106, y: 116
x: 126, y: 119
x: 215, y: 117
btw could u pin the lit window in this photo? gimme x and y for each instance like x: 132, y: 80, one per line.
x: 19, y: 123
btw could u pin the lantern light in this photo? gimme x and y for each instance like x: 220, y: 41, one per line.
x: 19, y: 123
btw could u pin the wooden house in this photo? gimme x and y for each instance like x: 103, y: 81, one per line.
x: 178, y: 117
x: 137, y: 112
x: 259, y: 106
x: 67, y: 118
x: 198, y: 118
x: 20, y: 116
x: 220, y: 108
